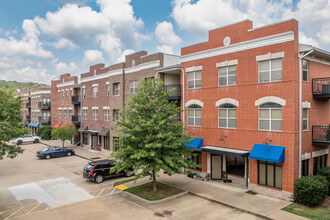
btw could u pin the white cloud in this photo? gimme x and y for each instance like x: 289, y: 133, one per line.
x: 165, y: 34
x: 92, y: 57
x: 66, y: 68
x: 165, y: 49
x: 64, y: 44
x: 307, y: 40
x: 121, y: 58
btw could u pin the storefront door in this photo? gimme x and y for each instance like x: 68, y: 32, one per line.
x: 94, y: 141
x: 216, y: 167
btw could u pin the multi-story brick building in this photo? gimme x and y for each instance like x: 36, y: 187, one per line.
x: 40, y: 107
x: 26, y: 105
x: 241, y: 95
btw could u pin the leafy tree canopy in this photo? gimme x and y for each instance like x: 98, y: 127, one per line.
x: 45, y: 132
x: 66, y: 132
x: 152, y: 139
x: 10, y: 125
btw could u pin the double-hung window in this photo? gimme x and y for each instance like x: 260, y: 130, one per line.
x: 305, y: 119
x: 70, y: 113
x: 106, y: 115
x: 83, y: 92
x: 194, y: 115
x: 133, y: 86
x: 65, y: 113
x: 270, y: 117
x: 67, y: 95
x: 108, y: 90
x: 116, y: 115
x: 270, y: 70
x: 84, y: 114
x: 194, y: 79
x: 60, y: 113
x: 59, y: 95
x: 227, y: 75
x: 227, y: 116
x: 116, y: 89
x: 305, y: 70
x: 95, y: 91
x: 95, y: 114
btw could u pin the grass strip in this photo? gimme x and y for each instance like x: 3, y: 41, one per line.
x: 308, y: 212
x: 125, y: 181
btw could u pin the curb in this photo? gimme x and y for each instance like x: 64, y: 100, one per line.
x: 156, y: 201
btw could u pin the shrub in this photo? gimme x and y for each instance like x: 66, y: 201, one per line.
x: 326, y: 173
x: 311, y: 190
x: 45, y: 132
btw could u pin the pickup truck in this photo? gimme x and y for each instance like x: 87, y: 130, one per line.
x: 26, y: 138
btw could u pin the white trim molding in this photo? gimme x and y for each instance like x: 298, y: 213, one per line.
x: 83, y: 87
x: 142, y: 66
x: 306, y: 156
x: 65, y: 84
x: 66, y: 89
x: 194, y: 68
x: 267, y: 99
x: 107, y: 83
x: 241, y: 46
x: 320, y: 152
x: 85, y: 108
x: 194, y: 102
x: 70, y: 108
x: 227, y: 100
x: 95, y: 85
x: 102, y: 76
x: 227, y: 63
x: 41, y: 92
x: 270, y: 56
x: 95, y: 108
x: 106, y: 107
x: 306, y: 104
x: 60, y: 108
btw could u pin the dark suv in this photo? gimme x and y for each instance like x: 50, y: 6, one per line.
x: 98, y: 170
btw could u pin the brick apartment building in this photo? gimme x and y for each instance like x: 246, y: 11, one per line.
x: 241, y: 96
x: 26, y: 105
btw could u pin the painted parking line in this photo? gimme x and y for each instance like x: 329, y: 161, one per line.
x: 30, y: 213
x: 122, y: 187
x: 100, y: 192
x: 33, y: 209
x: 113, y: 190
x: 13, y: 213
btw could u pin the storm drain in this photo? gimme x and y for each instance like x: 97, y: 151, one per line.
x: 251, y: 192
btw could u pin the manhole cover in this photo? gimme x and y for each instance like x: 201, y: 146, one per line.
x: 95, y: 158
x: 251, y: 192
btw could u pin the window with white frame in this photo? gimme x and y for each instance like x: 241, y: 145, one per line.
x: 95, y: 114
x: 59, y: 95
x: 194, y: 79
x: 95, y: 91
x: 60, y: 113
x: 194, y: 115
x: 227, y: 75
x: 108, y: 89
x: 227, y: 116
x: 62, y: 94
x: 83, y: 92
x: 70, y: 113
x: 67, y: 94
x: 305, y: 119
x: 65, y: 113
x: 84, y: 114
x: 305, y: 70
x: 270, y: 117
x: 133, y: 86
x: 270, y: 70
x: 106, y: 115
x: 116, y: 89
x: 116, y: 115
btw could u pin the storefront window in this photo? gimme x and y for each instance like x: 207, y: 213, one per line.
x: 305, y: 168
x: 270, y: 174
x: 235, y: 165
x: 197, y: 158
x: 319, y: 162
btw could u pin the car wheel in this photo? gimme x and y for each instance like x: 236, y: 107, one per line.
x: 19, y: 142
x: 36, y: 141
x: 99, y: 179
x: 128, y: 173
x: 48, y: 157
x: 69, y: 154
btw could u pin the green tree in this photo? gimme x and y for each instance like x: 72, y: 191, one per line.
x: 10, y: 125
x: 45, y: 132
x: 66, y: 132
x: 152, y: 139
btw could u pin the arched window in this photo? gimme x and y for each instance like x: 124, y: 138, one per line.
x: 227, y: 116
x: 270, y: 117
x: 194, y: 115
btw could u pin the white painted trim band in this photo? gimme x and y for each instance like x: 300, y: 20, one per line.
x: 270, y: 56
x: 65, y: 84
x: 227, y: 100
x: 194, y: 68
x: 194, y: 102
x: 106, y: 107
x: 306, y: 104
x: 95, y: 108
x: 95, y: 85
x: 41, y: 92
x: 267, y: 99
x: 102, y: 76
x: 320, y: 152
x: 85, y: 108
x: 142, y: 66
x: 227, y: 63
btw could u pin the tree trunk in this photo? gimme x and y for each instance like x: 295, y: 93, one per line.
x: 63, y: 144
x: 154, y: 188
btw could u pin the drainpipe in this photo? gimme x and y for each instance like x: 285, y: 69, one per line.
x: 300, y: 107
x: 183, y: 97
x: 81, y: 117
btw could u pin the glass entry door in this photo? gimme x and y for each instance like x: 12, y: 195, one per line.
x: 216, y: 167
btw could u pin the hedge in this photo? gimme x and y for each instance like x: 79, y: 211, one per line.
x: 311, y: 190
x: 326, y: 173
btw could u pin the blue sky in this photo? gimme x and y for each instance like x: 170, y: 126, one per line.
x: 41, y: 39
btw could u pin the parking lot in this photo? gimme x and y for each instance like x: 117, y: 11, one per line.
x: 31, y: 188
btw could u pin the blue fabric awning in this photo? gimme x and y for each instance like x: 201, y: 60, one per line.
x: 37, y: 124
x: 195, y: 144
x: 26, y: 122
x: 267, y: 152
x: 31, y: 124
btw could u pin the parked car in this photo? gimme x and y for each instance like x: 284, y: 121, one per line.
x: 25, y: 139
x: 97, y: 171
x: 54, y: 151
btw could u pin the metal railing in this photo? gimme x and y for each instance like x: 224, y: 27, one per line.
x: 75, y: 99
x: 44, y: 120
x: 321, y: 87
x: 76, y: 119
x: 28, y: 105
x: 44, y: 105
x: 321, y: 134
x: 176, y: 93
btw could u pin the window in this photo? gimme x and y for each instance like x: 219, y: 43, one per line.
x: 95, y: 91
x: 194, y: 79
x: 197, y: 158
x: 270, y: 70
x: 59, y: 95
x: 235, y: 165
x: 319, y: 162
x: 305, y: 70
x: 70, y: 113
x: 60, y: 113
x: 84, y: 114
x: 65, y: 112
x: 106, y: 143
x: 62, y: 94
x: 106, y: 115
x: 194, y: 115
x: 270, y: 174
x: 227, y: 116
x: 67, y: 94
x: 305, y: 168
x: 95, y: 114
x: 116, y: 89
x: 270, y: 117
x: 227, y: 75
x: 305, y: 119
x: 116, y: 115
x: 71, y: 92
x: 83, y: 92
x: 133, y: 85
x: 108, y: 90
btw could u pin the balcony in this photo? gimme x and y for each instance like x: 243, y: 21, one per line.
x: 321, y: 135
x: 44, y: 120
x: 321, y: 88
x: 75, y: 100
x: 28, y: 117
x: 28, y: 105
x: 76, y: 119
x: 44, y: 105
x: 176, y: 94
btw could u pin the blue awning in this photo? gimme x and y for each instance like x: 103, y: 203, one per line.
x: 31, y: 124
x: 26, y: 122
x: 37, y: 124
x: 195, y: 144
x: 267, y: 152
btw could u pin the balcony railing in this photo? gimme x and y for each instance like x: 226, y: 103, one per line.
x: 43, y: 120
x: 321, y: 88
x: 175, y: 94
x: 44, y: 105
x: 28, y: 105
x: 75, y: 99
x: 321, y: 135
x: 76, y: 119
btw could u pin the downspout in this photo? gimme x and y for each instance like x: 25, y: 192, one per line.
x: 81, y: 116
x: 300, y: 108
x: 183, y: 97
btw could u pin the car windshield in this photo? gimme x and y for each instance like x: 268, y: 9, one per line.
x: 46, y: 149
